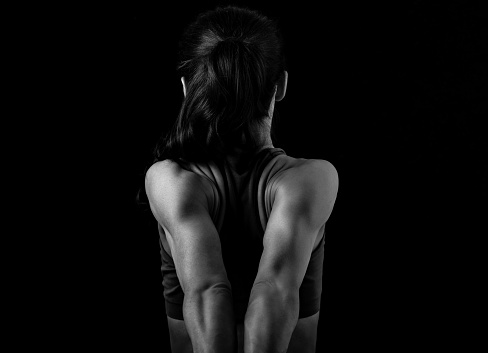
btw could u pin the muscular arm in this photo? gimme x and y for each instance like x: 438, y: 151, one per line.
x: 303, y: 202
x: 180, y: 205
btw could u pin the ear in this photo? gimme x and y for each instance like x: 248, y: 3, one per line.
x: 281, y: 86
x: 184, y: 85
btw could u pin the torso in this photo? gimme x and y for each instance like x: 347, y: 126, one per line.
x: 304, y: 337
x: 238, y: 165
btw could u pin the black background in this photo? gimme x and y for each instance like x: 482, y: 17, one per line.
x: 392, y: 93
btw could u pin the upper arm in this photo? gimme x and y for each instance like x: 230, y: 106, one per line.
x: 180, y: 204
x: 303, y: 202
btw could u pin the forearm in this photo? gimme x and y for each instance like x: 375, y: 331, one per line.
x: 209, y: 320
x: 270, y: 320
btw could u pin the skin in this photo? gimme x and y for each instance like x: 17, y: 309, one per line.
x: 301, y: 204
x: 302, y: 340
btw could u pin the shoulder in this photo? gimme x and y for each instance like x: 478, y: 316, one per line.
x: 168, y: 184
x: 308, y: 187
x: 162, y: 174
x: 168, y: 173
x: 318, y: 167
x: 166, y: 167
x: 303, y: 173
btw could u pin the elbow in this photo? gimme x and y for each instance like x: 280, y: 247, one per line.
x: 286, y: 291
x: 215, y: 287
x: 279, y: 296
x: 272, y: 315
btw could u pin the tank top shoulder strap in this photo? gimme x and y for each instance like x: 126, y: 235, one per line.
x: 268, y: 167
x: 212, y: 173
x: 263, y: 168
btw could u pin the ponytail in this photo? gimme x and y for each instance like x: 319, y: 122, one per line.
x: 231, y: 59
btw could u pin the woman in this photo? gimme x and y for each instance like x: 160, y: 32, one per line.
x: 241, y: 224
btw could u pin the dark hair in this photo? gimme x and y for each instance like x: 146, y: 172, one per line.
x: 231, y: 59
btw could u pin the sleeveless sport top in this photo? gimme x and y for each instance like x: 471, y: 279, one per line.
x: 240, y: 211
